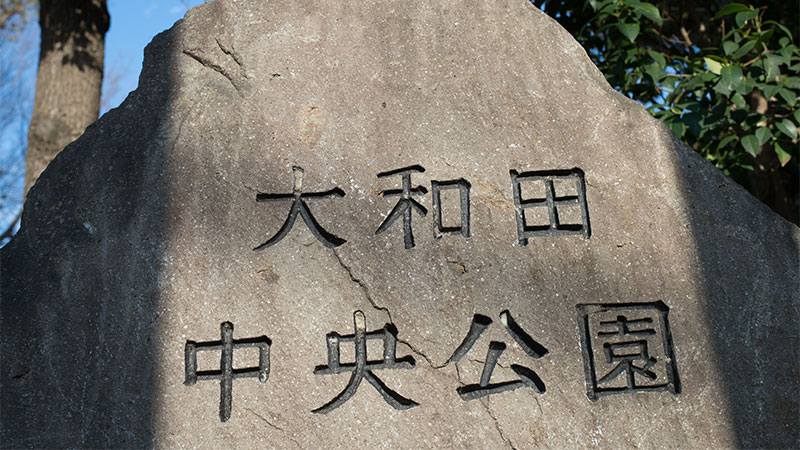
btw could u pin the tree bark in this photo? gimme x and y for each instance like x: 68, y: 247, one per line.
x: 69, y: 78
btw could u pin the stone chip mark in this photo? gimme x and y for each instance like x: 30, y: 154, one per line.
x: 230, y: 51
x: 268, y: 274
x: 235, y: 73
x: 311, y: 124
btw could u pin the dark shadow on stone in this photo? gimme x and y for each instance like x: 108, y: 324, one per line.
x: 79, y: 299
x: 748, y: 262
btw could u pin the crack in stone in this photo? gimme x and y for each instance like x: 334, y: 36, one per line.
x: 264, y: 419
x: 363, y: 287
x: 536, y: 399
x: 458, y: 375
x: 384, y: 309
x: 215, y: 67
x: 381, y: 308
x: 230, y: 52
x: 420, y: 354
x: 483, y: 362
x: 221, y: 176
x: 497, y: 424
x: 180, y: 130
x: 485, y: 403
x: 250, y: 188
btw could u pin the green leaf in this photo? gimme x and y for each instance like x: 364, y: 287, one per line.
x: 729, y: 47
x: 707, y: 77
x: 797, y: 115
x: 772, y: 65
x: 763, y: 135
x: 730, y: 9
x: 662, y: 62
x: 720, y: 110
x: 744, y: 49
x: 738, y: 100
x: 787, y: 127
x: 739, y: 115
x: 713, y: 66
x: 744, y: 16
x: 788, y: 95
x: 783, y: 155
x: 787, y: 53
x: 737, y: 36
x: 678, y: 128
x: 726, y: 140
x: 629, y: 30
x: 782, y: 28
x: 692, y: 120
x: 747, y: 85
x: 793, y: 82
x: 731, y: 76
x: 765, y: 36
x: 753, y: 120
x: 670, y: 80
x: 655, y: 72
x: 736, y: 75
x: 692, y: 83
x: 750, y: 144
x: 605, y: 27
x: 771, y: 90
x: 648, y: 10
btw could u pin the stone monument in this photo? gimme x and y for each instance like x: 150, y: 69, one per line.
x: 388, y: 224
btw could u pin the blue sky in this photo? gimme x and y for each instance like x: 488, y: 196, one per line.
x: 133, y: 25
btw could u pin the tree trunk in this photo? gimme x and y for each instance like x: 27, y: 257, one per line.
x: 69, y: 79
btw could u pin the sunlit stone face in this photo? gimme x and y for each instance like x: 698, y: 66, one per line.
x: 391, y: 224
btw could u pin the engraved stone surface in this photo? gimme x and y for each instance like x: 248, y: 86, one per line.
x: 628, y: 293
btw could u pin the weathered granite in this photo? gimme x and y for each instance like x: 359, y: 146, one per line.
x: 139, y: 237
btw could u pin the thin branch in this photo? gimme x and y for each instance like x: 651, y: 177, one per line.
x: 686, y: 37
x: 763, y: 52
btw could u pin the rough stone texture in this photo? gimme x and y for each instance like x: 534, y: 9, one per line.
x: 139, y: 237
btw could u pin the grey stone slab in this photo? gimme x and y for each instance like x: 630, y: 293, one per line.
x: 140, y: 237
